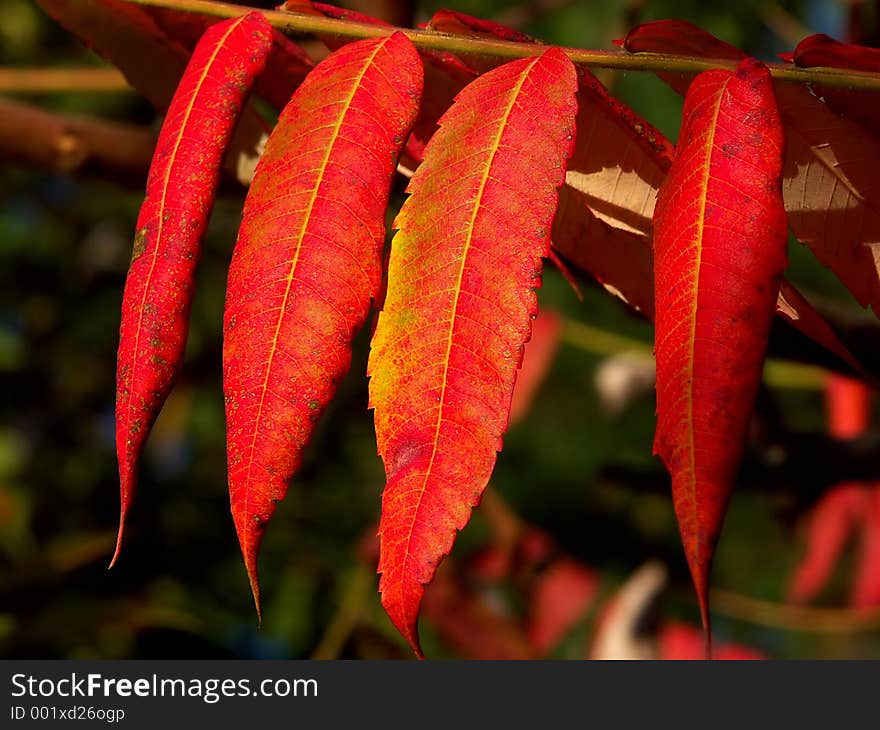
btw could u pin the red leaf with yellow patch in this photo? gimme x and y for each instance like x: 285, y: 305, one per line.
x: 461, y: 277
x: 307, y: 263
x: 181, y: 186
x: 719, y: 252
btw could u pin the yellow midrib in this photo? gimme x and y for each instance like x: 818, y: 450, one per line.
x: 470, y: 233
x: 704, y: 188
x: 164, y: 197
x: 292, y: 270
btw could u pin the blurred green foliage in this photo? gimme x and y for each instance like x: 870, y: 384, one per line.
x: 180, y: 589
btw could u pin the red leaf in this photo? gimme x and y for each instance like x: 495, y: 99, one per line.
x: 830, y: 190
x: 823, y: 50
x: 829, y: 527
x: 537, y: 360
x: 467, y: 26
x: 474, y: 627
x: 794, y: 308
x: 679, y: 642
x: 680, y: 37
x: 835, y: 518
x: 180, y: 193
x: 720, y: 249
x: 866, y: 584
x: 461, y: 275
x: 560, y: 598
x: 861, y: 106
x: 462, y: 24
x: 603, y: 223
x: 848, y: 403
x: 129, y: 38
x: 306, y: 264
x: 285, y: 70
x: 306, y: 7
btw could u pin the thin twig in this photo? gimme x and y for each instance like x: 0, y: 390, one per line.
x: 348, y: 614
x: 294, y: 24
x: 806, y: 619
x: 777, y: 373
x: 61, y: 80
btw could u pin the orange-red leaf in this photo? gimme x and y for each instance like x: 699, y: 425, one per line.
x: 129, y: 38
x: 461, y: 279
x: 830, y: 188
x: 720, y: 249
x: 306, y: 264
x: 180, y: 194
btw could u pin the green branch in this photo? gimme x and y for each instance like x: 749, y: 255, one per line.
x: 297, y: 24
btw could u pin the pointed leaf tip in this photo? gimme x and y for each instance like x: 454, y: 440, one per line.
x: 306, y: 265
x: 462, y: 271
x: 720, y: 249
